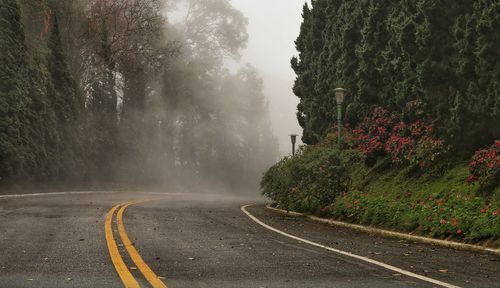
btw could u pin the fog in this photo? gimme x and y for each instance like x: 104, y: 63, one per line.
x: 273, y: 27
x: 152, y: 93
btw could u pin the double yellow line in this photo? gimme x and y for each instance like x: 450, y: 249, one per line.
x: 125, y: 275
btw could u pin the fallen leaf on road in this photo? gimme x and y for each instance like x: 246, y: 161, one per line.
x: 443, y: 270
x: 133, y: 268
x: 68, y: 279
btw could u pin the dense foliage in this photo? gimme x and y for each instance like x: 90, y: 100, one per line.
x: 485, y: 166
x: 433, y: 202
x: 305, y: 182
x: 389, y: 53
x: 385, y: 133
x: 13, y: 88
x: 39, y: 101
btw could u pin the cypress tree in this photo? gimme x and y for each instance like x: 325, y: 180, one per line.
x: 301, y: 67
x: 66, y: 104
x: 389, y: 53
x: 13, y: 88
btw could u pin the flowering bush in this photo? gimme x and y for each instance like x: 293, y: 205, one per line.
x: 485, y: 166
x: 384, y: 133
x: 399, y: 148
x: 427, y: 151
x: 371, y: 134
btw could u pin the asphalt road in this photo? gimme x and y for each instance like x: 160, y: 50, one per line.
x: 195, y: 240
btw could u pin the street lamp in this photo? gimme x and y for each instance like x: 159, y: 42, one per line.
x: 339, y: 98
x: 293, y: 137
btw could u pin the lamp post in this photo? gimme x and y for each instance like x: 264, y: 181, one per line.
x: 293, y: 137
x: 339, y: 98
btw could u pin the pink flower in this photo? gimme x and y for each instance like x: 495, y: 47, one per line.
x: 442, y: 222
x: 471, y: 179
x: 459, y: 232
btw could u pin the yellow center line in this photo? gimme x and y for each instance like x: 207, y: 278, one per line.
x: 125, y: 275
x: 134, y: 254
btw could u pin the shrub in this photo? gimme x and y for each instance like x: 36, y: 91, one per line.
x: 385, y: 133
x: 371, y: 134
x: 427, y: 151
x: 308, y: 181
x: 484, y: 166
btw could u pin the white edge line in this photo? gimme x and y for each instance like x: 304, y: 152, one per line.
x: 9, y: 196
x: 50, y: 194
x: 365, y: 259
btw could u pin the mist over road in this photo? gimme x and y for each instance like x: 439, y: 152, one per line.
x: 199, y: 240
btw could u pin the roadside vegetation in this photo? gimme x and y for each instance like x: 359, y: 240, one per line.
x: 420, y: 148
x: 442, y: 199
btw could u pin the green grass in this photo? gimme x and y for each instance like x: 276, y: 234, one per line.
x: 436, y: 202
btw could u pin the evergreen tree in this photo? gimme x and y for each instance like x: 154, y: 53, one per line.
x: 389, y: 53
x: 67, y: 106
x: 14, y: 98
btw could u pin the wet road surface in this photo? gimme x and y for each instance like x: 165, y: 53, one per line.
x: 200, y: 240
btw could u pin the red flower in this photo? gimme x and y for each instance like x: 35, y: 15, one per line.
x: 471, y: 179
x: 495, y: 213
x: 459, y: 232
x: 485, y: 209
x: 454, y: 222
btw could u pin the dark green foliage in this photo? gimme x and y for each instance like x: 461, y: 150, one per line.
x: 40, y: 106
x: 389, y: 53
x: 67, y: 105
x: 14, y: 98
x: 308, y: 181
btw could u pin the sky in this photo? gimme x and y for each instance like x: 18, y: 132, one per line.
x: 273, y: 27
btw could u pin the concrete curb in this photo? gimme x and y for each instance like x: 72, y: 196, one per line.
x: 391, y: 234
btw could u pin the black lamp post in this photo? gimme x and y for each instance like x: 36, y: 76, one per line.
x: 339, y: 98
x: 293, y: 137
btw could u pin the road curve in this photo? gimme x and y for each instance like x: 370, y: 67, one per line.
x: 199, y: 240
